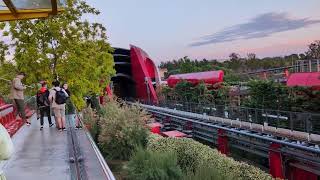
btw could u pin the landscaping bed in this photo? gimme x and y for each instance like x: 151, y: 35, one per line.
x: 133, y: 153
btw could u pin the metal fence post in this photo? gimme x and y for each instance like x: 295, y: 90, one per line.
x: 291, y: 121
x: 256, y: 115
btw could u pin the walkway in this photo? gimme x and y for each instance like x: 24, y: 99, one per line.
x: 45, y: 155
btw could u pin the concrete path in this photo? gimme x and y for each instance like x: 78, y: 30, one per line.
x: 39, y: 154
x: 44, y: 155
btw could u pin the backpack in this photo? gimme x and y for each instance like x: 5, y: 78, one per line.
x: 61, y: 97
x: 43, y: 99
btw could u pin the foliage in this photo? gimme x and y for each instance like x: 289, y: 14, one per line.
x: 192, y: 155
x: 305, y: 99
x: 65, y: 47
x: 314, y: 50
x: 3, y: 51
x: 205, y: 172
x: 237, y: 64
x: 91, y: 120
x: 148, y: 165
x: 122, y: 128
x: 186, y: 92
x: 264, y: 94
x: 6, y: 72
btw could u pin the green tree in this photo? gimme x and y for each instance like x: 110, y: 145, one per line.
x: 314, y: 50
x: 65, y: 47
x: 252, y: 56
x: 3, y: 52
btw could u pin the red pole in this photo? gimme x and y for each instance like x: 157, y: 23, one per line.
x: 275, y: 161
x: 223, y: 142
x: 101, y: 99
x: 286, y: 72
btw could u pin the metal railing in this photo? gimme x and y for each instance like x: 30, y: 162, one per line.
x: 106, y: 170
x: 310, y: 65
x: 298, y: 121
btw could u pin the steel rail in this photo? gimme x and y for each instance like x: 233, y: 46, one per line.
x: 179, y: 115
x: 78, y: 171
x: 106, y: 170
x: 247, y: 144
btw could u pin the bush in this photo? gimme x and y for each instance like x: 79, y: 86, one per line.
x: 147, y: 165
x: 206, y: 172
x: 122, y: 128
x: 90, y: 119
x: 192, y: 155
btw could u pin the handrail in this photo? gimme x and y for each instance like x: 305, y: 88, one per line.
x: 107, y: 172
x: 200, y: 119
x: 301, y: 121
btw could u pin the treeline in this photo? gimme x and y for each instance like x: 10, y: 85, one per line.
x: 260, y: 94
x: 238, y: 64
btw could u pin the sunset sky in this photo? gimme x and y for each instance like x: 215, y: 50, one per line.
x: 212, y: 29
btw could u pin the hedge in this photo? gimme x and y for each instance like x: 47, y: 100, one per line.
x: 121, y: 129
x: 192, y: 154
x: 147, y: 165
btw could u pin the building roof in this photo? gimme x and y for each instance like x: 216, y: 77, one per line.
x: 307, y: 79
x: 209, y: 77
x: 16, y: 10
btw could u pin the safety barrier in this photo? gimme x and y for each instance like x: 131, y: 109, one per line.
x: 280, y: 151
x: 8, y: 117
x: 294, y: 121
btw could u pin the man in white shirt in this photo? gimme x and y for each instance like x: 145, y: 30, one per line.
x: 58, y: 97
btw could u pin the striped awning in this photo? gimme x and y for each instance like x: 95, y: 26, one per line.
x: 29, y: 9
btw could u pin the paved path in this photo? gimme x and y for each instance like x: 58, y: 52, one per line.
x: 39, y: 154
x: 44, y: 155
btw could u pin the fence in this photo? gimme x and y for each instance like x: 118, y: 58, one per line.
x: 298, y: 121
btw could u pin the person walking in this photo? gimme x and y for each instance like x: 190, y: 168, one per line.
x: 70, y: 107
x: 17, y: 89
x: 65, y: 87
x: 58, y: 97
x: 44, y: 104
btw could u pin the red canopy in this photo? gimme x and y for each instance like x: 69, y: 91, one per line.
x: 209, y: 77
x: 307, y: 79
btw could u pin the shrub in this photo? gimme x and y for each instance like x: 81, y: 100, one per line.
x: 147, y: 165
x: 192, y: 155
x: 90, y: 119
x: 122, y: 128
x: 206, y: 172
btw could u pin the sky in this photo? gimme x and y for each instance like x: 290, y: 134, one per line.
x: 211, y: 29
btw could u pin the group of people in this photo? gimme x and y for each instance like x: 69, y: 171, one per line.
x: 54, y: 98
x: 47, y: 99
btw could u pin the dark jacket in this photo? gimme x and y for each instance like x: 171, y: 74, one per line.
x: 43, y: 98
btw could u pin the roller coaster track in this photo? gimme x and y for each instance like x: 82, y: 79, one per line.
x: 258, y: 142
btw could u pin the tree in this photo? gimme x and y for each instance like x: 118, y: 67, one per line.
x: 302, y: 56
x: 314, y: 50
x: 3, y: 52
x: 64, y: 47
x: 234, y: 57
x: 252, y: 56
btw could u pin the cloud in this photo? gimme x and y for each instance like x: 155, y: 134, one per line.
x: 263, y: 25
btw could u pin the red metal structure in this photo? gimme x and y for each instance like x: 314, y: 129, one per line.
x: 144, y: 74
x: 8, y: 118
x: 209, y: 77
x: 136, y: 75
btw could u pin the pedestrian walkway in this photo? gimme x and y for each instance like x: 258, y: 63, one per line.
x: 45, y: 155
